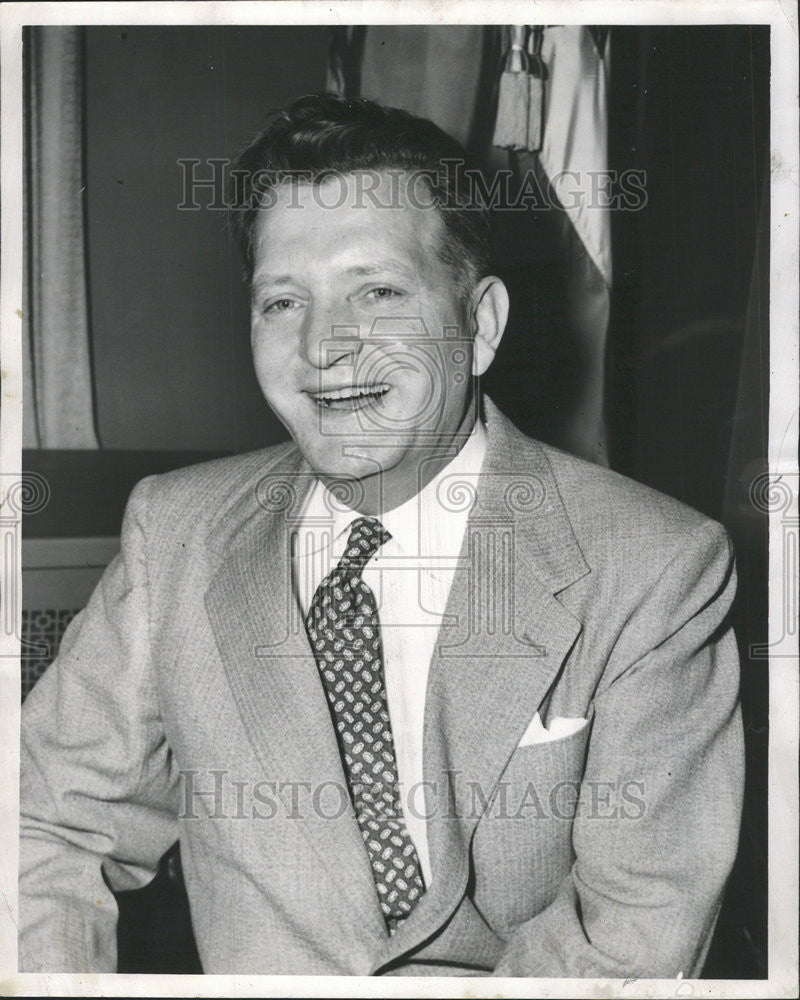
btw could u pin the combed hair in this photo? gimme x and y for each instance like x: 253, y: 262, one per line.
x: 322, y: 135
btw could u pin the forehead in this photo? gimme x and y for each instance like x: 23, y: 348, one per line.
x: 367, y: 210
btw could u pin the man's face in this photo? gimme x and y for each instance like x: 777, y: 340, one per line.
x: 359, y: 331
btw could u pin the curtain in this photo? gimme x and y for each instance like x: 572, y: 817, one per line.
x: 58, y: 407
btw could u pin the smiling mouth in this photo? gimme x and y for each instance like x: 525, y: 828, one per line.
x: 353, y: 397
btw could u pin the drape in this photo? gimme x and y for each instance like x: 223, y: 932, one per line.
x: 58, y: 407
x: 574, y: 159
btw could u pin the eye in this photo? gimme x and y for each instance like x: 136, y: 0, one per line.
x: 280, y: 306
x: 382, y: 293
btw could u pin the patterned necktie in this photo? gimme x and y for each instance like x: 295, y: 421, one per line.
x: 344, y: 631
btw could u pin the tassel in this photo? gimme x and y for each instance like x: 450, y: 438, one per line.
x: 511, y: 127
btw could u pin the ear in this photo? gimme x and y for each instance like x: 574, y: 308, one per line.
x: 489, y: 316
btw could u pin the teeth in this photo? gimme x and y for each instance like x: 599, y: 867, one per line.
x: 351, y: 393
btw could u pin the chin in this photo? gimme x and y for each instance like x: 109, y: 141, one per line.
x: 329, y: 463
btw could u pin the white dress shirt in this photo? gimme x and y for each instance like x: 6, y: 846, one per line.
x: 411, y: 576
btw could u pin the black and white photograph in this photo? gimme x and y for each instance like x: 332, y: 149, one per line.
x: 399, y: 499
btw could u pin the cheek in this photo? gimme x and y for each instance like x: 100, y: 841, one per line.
x: 269, y: 358
x: 263, y: 369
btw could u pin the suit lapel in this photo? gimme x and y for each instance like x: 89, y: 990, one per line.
x: 501, y: 646
x: 274, y: 680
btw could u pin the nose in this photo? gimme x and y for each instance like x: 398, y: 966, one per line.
x: 328, y: 339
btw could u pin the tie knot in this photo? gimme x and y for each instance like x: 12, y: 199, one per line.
x: 367, y: 534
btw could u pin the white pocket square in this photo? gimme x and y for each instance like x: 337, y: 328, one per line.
x: 559, y: 727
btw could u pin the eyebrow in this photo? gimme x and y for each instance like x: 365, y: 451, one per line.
x: 272, y: 279
x: 359, y: 270
x: 387, y: 264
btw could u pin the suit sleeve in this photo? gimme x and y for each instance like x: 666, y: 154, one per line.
x: 98, y: 796
x: 666, y: 746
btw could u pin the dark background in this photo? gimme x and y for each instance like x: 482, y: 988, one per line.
x: 170, y: 319
x: 687, y: 363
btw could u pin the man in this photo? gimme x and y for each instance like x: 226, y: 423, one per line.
x: 418, y: 695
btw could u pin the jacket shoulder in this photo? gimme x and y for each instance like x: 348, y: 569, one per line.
x: 208, y: 491
x: 599, y: 500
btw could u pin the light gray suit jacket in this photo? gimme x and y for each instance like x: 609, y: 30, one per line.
x: 185, y: 704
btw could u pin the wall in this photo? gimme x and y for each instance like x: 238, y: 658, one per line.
x: 169, y: 311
